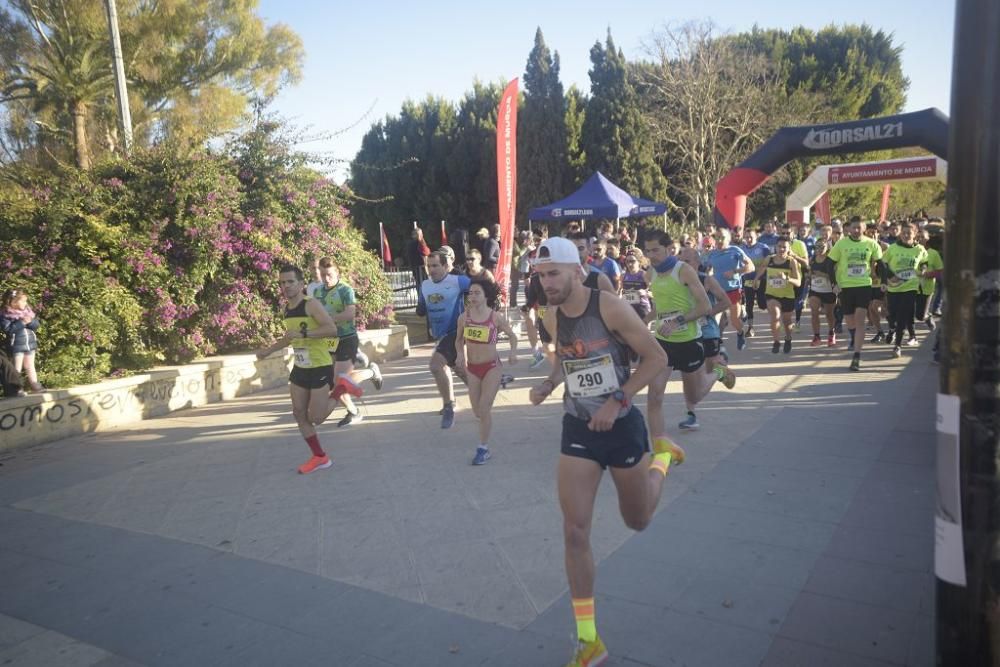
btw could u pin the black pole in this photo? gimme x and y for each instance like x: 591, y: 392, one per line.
x: 968, y: 536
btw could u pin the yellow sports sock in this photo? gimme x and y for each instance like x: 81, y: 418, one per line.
x: 583, y: 610
x: 662, y: 455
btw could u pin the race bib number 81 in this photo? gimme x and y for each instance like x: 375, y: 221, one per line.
x: 302, y: 358
x: 586, y: 378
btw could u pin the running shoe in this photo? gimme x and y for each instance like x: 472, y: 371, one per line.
x: 797, y: 326
x: 689, y: 424
x: 448, y: 416
x: 816, y: 341
x: 878, y: 337
x: 482, y: 456
x: 361, y: 360
x: 788, y: 346
x: 589, y: 654
x: 505, y: 380
x: 776, y: 347
x: 741, y: 340
x: 376, y: 376
x: 896, y: 352
x: 728, y: 378
x: 912, y: 342
x: 930, y: 324
x: 315, y: 463
x: 856, y: 362
x: 665, y: 444
x: 351, y: 418
x: 889, y: 336
x: 831, y: 340
x: 724, y: 354
x: 537, y: 360
x: 750, y: 332
x: 840, y: 328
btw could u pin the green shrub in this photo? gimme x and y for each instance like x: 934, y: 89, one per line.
x: 170, y: 256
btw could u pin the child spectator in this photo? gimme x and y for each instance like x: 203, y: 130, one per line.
x: 19, y: 322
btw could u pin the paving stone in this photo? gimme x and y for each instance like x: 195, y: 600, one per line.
x: 852, y: 627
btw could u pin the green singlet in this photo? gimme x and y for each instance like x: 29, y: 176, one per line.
x: 673, y: 298
x: 309, y: 352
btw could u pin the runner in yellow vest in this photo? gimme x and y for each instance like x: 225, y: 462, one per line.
x: 307, y: 326
x: 902, y: 261
x: 856, y: 256
x: 779, y: 276
x: 679, y: 300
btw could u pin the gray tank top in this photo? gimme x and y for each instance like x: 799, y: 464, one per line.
x: 594, y: 362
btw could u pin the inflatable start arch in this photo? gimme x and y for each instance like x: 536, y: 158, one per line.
x: 831, y: 177
x: 927, y: 129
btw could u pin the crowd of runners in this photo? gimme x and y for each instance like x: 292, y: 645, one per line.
x: 610, y: 325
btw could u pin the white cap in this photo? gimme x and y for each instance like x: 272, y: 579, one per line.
x: 557, y: 250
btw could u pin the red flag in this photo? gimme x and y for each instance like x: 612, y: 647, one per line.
x: 386, y: 250
x: 506, y: 182
x: 886, y: 189
x: 444, y: 235
x: 823, y: 208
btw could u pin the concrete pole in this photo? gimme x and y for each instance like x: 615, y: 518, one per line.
x: 121, y: 91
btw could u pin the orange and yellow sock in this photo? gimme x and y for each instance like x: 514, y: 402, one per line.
x: 663, y: 454
x: 586, y: 627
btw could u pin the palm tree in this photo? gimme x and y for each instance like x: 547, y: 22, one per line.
x: 57, y: 65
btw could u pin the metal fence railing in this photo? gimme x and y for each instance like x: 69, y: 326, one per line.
x: 404, y: 290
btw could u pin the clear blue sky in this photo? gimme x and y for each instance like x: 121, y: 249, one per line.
x: 361, y: 54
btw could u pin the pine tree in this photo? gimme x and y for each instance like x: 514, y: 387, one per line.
x: 541, y: 132
x: 614, y: 136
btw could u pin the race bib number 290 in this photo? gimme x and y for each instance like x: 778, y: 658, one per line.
x: 590, y: 377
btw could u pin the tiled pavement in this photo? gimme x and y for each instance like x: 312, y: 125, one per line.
x: 798, y: 533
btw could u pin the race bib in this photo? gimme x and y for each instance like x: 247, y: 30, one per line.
x: 821, y: 283
x: 632, y: 297
x: 302, y: 358
x: 908, y: 274
x: 332, y: 344
x: 857, y: 270
x: 776, y: 283
x: 586, y: 378
x: 668, y: 323
x: 477, y: 333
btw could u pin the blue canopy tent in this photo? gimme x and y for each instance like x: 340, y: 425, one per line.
x: 598, y: 198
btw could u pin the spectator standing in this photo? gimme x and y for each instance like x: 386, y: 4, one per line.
x: 19, y: 322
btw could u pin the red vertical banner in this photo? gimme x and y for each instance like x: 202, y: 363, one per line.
x: 823, y: 208
x: 886, y: 190
x: 386, y: 250
x: 444, y: 235
x: 506, y: 182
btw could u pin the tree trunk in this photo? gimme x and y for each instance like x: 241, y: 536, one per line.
x: 78, y: 109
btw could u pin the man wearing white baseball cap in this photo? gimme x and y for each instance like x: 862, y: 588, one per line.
x: 594, y: 333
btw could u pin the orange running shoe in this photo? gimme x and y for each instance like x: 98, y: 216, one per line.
x: 315, y: 463
x: 589, y: 654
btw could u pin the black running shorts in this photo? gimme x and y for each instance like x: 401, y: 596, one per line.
x: 711, y: 346
x: 824, y: 297
x: 853, y: 298
x: 787, y: 303
x: 311, y: 378
x: 446, y: 347
x: 621, y: 447
x: 347, y: 348
x: 686, y: 357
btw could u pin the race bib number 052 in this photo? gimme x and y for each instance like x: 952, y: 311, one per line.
x: 476, y: 333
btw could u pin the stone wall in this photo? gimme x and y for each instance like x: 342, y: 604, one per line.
x: 61, y: 413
